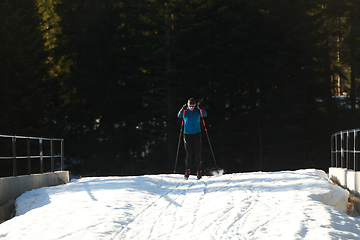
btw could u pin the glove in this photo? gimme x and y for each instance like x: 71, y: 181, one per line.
x: 184, y: 107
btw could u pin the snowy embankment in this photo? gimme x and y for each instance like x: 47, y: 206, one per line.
x: 300, y: 204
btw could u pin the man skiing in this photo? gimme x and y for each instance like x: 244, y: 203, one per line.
x: 192, y: 134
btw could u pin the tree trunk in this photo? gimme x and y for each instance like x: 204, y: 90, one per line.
x: 169, y: 105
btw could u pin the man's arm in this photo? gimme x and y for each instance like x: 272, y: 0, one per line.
x: 181, y: 112
x: 204, y: 113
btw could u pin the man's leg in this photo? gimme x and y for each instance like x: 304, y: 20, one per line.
x: 197, y: 152
x: 189, y: 149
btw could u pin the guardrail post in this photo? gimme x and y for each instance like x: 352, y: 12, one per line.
x: 62, y: 155
x: 41, y: 156
x: 336, y: 154
x: 52, y: 155
x: 13, y: 139
x: 354, y: 149
x: 347, y: 150
x: 29, y: 154
x: 342, y: 150
x: 332, y: 150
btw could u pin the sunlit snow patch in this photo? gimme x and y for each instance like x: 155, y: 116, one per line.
x: 218, y: 172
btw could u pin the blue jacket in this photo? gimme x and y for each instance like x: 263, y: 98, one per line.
x: 192, y: 120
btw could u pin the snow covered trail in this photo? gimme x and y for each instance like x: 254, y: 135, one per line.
x: 277, y: 205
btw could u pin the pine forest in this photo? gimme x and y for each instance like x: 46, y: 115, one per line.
x: 276, y: 78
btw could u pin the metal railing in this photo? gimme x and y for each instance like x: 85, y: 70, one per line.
x: 345, y: 149
x: 30, y: 153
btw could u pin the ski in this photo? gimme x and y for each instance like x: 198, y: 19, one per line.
x: 187, y: 178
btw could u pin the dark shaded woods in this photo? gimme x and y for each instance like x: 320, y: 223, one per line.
x: 110, y: 76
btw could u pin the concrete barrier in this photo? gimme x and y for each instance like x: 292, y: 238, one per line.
x: 348, y: 178
x: 13, y: 187
x: 340, y: 174
x: 351, y: 180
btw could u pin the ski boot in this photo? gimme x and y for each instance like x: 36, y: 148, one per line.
x: 187, y: 174
x: 198, y: 175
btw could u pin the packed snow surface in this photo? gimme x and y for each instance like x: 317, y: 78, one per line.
x: 300, y: 204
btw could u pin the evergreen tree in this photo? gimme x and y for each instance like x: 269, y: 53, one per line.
x: 24, y: 100
x: 351, y: 51
x: 254, y: 62
x: 261, y: 68
x: 107, y: 111
x: 288, y: 92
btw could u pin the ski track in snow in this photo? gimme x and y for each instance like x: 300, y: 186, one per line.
x: 282, y: 205
x: 148, y: 213
x: 198, y: 195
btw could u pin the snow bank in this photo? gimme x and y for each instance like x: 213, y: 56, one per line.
x: 334, y: 196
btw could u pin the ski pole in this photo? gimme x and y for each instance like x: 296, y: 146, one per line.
x: 202, y: 117
x: 177, y: 152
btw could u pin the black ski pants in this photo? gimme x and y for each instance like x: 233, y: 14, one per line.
x: 192, y: 143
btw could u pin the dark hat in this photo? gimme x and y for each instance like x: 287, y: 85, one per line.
x: 192, y: 101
